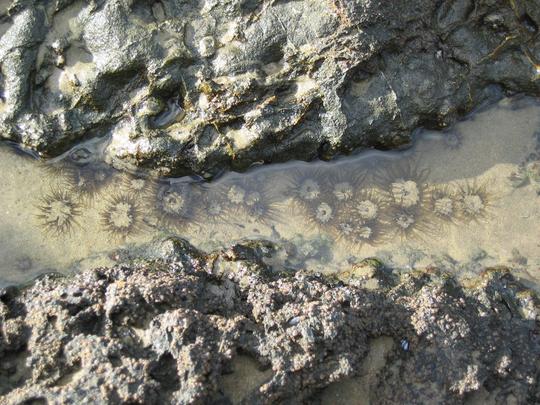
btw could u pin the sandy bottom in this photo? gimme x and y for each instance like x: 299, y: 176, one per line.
x: 487, y: 166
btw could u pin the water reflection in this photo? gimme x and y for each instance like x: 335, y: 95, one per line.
x: 459, y: 200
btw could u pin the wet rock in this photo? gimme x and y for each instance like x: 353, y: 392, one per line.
x: 183, y: 87
x: 167, y: 330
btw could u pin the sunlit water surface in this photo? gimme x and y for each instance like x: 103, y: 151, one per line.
x: 459, y: 200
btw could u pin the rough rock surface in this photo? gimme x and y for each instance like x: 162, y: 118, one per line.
x: 202, y: 85
x: 165, y: 330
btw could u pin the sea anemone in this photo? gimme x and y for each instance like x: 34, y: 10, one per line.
x: 443, y: 203
x: 306, y: 186
x: 54, y: 168
x: 174, y: 204
x: 137, y: 185
x: 343, y: 183
x: 474, y: 201
x: 453, y: 140
x: 319, y: 197
x: 254, y: 198
x: 236, y: 194
x: 213, y: 206
x: 361, y: 220
x: 321, y: 213
x: 58, y: 212
x: 404, y: 185
x: 309, y: 191
x: 88, y: 180
x: 407, y: 193
x: 121, y: 217
x: 410, y: 223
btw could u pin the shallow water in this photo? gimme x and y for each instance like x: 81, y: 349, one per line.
x: 459, y: 200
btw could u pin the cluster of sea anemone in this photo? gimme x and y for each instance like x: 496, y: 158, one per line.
x: 397, y: 201
x: 249, y: 197
x: 80, y: 180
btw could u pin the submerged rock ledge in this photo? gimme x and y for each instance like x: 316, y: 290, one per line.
x: 201, y: 86
x: 169, y: 328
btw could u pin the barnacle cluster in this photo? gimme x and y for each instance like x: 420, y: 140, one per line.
x: 58, y: 212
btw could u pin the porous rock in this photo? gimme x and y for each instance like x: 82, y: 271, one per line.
x: 201, y: 86
x: 166, y: 330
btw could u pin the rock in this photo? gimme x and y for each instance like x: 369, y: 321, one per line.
x: 167, y: 330
x: 198, y: 86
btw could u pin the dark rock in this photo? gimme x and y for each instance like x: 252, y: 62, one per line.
x: 165, y: 331
x: 196, y: 87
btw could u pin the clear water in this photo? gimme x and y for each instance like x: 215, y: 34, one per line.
x: 459, y: 200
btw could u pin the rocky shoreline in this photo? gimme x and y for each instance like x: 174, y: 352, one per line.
x: 176, y: 88
x: 203, y: 86
x: 169, y: 329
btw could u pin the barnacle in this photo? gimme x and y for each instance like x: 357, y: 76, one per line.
x: 519, y: 177
x: 362, y: 219
x: 526, y: 174
x: 78, y: 157
x: 474, y: 200
x: 58, y: 212
x: 174, y: 203
x: 121, y: 216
